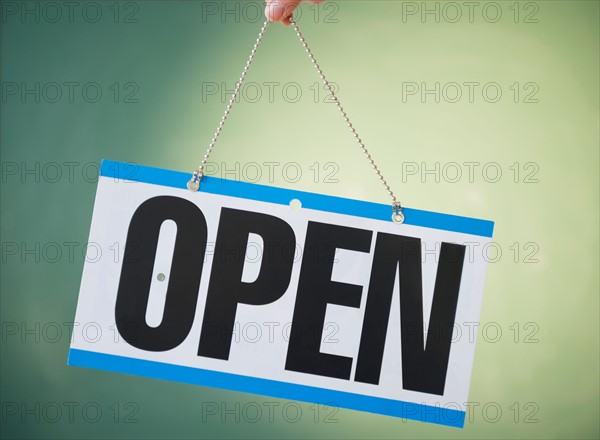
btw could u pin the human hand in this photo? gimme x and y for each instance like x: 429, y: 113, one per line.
x: 282, y: 10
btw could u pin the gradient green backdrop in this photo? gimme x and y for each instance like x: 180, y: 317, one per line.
x: 167, y: 52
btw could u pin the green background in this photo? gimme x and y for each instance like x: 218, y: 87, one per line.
x: 544, y: 378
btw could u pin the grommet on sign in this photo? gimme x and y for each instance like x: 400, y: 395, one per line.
x: 397, y: 215
x: 194, y: 183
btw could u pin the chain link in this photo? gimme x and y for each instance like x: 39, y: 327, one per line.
x: 194, y: 183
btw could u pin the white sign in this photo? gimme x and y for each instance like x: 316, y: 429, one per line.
x: 231, y: 287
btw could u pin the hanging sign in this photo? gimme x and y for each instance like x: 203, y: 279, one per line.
x: 231, y: 287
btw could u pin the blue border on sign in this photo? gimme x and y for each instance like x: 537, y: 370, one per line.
x: 137, y: 173
x: 266, y: 387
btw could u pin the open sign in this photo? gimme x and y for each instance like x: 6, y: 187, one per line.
x: 195, y: 268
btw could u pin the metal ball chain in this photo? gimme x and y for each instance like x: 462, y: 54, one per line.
x: 194, y: 183
x: 397, y: 215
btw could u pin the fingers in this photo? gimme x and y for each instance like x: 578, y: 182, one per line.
x: 282, y: 10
